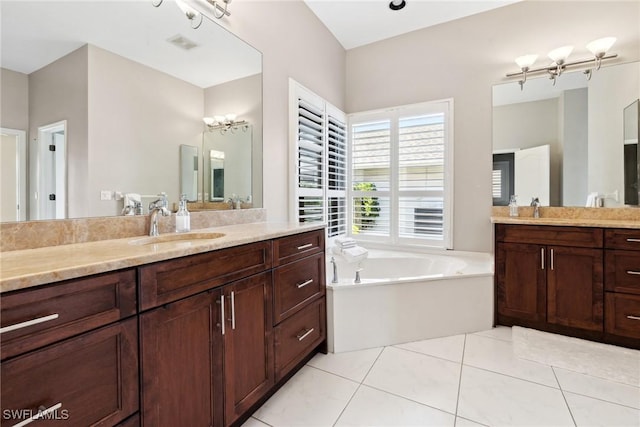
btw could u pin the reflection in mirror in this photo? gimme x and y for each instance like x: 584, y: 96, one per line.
x: 189, y: 161
x: 227, y: 154
x: 580, y: 121
x: 130, y: 96
x: 13, y: 175
x: 50, y: 197
x: 631, y: 122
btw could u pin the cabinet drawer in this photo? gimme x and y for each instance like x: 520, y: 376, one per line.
x: 583, y: 237
x: 40, y: 316
x: 621, y: 238
x: 622, y: 271
x: 291, y: 248
x: 296, y: 283
x: 622, y: 314
x: 298, y: 335
x: 91, y: 379
x: 169, y: 281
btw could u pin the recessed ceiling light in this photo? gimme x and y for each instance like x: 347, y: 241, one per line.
x: 397, y: 4
x: 182, y: 42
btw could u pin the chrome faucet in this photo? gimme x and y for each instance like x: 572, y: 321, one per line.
x: 357, y: 279
x: 335, y: 271
x: 536, y: 207
x: 156, y: 206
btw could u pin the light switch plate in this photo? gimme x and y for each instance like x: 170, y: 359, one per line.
x: 106, y: 195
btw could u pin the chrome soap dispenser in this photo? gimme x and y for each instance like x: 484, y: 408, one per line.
x: 183, y: 218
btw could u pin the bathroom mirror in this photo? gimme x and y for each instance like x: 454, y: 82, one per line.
x: 226, y: 154
x: 189, y: 161
x: 631, y: 124
x: 580, y: 120
x: 133, y: 83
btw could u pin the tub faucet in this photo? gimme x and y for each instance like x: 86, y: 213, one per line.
x: 536, y: 207
x: 155, y: 207
x: 335, y: 271
x: 357, y: 279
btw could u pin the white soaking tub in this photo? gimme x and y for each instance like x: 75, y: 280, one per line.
x: 407, y: 296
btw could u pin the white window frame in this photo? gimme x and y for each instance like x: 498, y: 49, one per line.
x: 394, y: 114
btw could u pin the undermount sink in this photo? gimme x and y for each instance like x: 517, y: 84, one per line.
x: 175, y: 237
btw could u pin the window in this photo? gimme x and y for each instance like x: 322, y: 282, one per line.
x: 401, y: 174
x: 319, y: 144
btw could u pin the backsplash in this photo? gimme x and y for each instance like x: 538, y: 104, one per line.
x: 37, y: 234
x: 617, y: 214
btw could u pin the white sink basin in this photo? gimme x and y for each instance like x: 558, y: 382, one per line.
x: 175, y: 237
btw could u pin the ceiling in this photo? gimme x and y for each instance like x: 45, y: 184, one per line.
x: 359, y: 22
x: 36, y: 33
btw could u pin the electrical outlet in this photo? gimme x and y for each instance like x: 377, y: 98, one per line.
x: 106, y: 195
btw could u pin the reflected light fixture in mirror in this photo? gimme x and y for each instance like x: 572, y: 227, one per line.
x: 194, y: 16
x: 225, y: 123
x: 559, y: 56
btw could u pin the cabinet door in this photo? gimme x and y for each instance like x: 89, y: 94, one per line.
x: 248, y: 343
x: 575, y: 294
x: 182, y: 363
x: 91, y: 379
x: 521, y: 282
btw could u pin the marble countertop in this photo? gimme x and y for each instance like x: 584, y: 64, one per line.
x: 32, y: 267
x: 570, y: 222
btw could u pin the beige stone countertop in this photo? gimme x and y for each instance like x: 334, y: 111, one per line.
x: 572, y: 222
x: 32, y: 267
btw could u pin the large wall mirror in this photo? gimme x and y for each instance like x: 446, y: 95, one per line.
x: 131, y: 83
x: 564, y: 143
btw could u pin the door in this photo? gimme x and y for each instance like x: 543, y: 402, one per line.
x: 51, y: 193
x: 13, y: 175
x: 248, y: 343
x: 181, y: 362
x: 575, y: 294
x: 521, y: 282
x: 532, y: 174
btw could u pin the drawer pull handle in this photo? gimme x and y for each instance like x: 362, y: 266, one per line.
x: 305, y: 283
x: 39, y: 415
x: 304, y: 334
x: 233, y: 311
x: 308, y: 245
x: 29, y: 323
x: 635, y: 273
x: 633, y: 317
x: 222, y: 320
x: 633, y: 240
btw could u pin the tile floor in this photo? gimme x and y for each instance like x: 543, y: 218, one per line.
x: 463, y: 380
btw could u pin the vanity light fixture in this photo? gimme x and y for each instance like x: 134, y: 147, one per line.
x: 194, y: 16
x: 225, y: 123
x: 559, y: 56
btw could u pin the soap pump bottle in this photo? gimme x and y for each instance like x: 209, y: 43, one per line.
x: 513, y: 206
x: 183, y: 220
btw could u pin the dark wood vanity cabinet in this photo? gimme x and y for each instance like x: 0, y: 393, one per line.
x: 207, y: 329
x: 554, y: 278
x: 70, y: 352
x: 622, y: 286
x: 550, y: 278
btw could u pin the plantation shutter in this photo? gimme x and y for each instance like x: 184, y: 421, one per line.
x: 320, y: 150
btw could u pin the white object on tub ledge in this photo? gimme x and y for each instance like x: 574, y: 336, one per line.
x: 352, y: 254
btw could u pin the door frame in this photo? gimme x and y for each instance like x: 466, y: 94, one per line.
x: 21, y: 170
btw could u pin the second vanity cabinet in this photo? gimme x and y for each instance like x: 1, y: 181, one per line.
x: 553, y: 278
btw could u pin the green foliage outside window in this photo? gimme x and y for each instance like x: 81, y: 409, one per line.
x: 366, y: 209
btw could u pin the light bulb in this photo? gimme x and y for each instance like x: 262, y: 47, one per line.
x: 526, y: 61
x: 231, y: 117
x: 219, y: 119
x: 560, y: 55
x: 600, y: 47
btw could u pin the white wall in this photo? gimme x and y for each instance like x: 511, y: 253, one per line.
x: 463, y: 59
x: 136, y: 125
x: 294, y: 43
x: 14, y: 98
x: 57, y: 92
x: 242, y: 97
